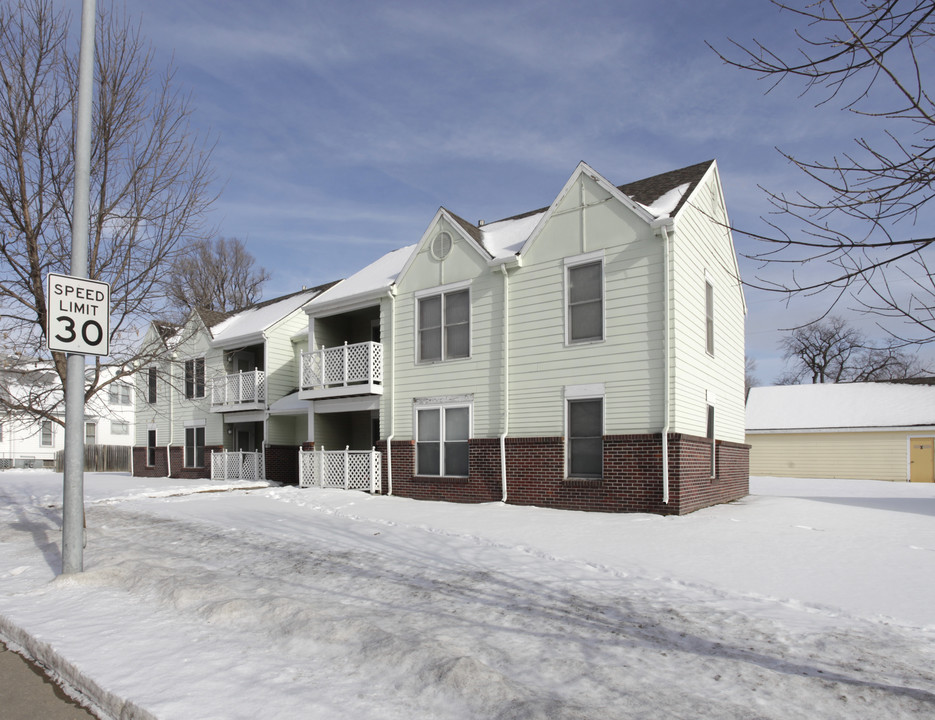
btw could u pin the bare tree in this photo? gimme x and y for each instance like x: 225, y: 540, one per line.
x: 830, y: 350
x: 150, y: 185
x: 749, y: 367
x: 853, y: 237
x: 216, y: 275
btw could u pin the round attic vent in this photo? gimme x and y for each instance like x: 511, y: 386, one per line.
x: 441, y: 245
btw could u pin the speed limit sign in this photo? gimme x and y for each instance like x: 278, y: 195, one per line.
x: 78, y: 312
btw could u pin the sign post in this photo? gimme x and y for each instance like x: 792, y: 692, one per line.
x: 73, y: 490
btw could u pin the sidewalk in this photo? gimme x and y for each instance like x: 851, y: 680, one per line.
x: 27, y: 694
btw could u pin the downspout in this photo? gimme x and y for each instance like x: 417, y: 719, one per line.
x: 391, y: 294
x: 171, y: 425
x: 506, y: 379
x: 663, y: 224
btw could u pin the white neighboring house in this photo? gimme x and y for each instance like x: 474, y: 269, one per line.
x: 30, y: 441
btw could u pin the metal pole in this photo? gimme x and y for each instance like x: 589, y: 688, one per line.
x: 73, y: 495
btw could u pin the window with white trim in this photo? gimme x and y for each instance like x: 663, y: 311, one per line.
x: 150, y: 448
x: 90, y: 433
x: 709, y: 316
x: 119, y: 427
x: 46, y: 436
x: 194, y: 447
x: 119, y: 393
x: 585, y: 431
x: 444, y: 326
x: 442, y: 433
x: 195, y: 378
x: 584, y: 299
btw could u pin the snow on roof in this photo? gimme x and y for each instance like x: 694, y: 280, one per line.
x: 665, y: 205
x: 840, y: 405
x: 378, y: 275
x: 506, y: 237
x: 258, y: 318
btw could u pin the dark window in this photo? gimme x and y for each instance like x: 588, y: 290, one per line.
x: 585, y: 304
x: 442, y: 441
x: 151, y: 448
x: 195, y: 447
x: 151, y: 380
x: 710, y: 435
x: 585, y: 438
x: 445, y: 326
x: 195, y: 378
x: 709, y: 317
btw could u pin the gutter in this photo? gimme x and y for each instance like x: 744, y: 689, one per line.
x: 661, y: 226
x: 391, y: 295
x: 506, y: 379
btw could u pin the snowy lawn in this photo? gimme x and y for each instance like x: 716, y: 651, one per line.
x: 810, y: 598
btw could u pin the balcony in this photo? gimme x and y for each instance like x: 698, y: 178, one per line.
x: 343, y: 371
x: 241, y: 391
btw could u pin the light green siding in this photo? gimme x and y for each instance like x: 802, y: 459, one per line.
x: 480, y: 373
x: 702, y: 247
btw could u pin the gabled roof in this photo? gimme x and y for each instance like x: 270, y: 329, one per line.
x: 252, y: 321
x: 839, y: 406
x: 652, y: 198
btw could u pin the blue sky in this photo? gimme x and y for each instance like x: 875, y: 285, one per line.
x: 340, y: 128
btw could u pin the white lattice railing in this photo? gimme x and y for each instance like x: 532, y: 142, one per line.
x: 238, y: 389
x: 237, y: 465
x: 348, y: 469
x: 343, y: 365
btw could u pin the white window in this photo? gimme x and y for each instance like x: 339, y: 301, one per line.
x: 709, y: 316
x: 119, y: 393
x: 194, y: 447
x: 151, y: 448
x: 46, y: 438
x: 195, y: 378
x: 585, y: 423
x: 584, y: 298
x: 442, y: 433
x: 119, y: 427
x: 90, y: 433
x: 444, y: 327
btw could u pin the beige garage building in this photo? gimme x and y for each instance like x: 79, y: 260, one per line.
x: 871, y: 431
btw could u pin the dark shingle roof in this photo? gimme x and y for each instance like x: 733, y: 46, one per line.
x: 648, y: 190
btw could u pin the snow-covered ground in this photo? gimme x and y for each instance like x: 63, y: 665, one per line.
x: 807, y: 599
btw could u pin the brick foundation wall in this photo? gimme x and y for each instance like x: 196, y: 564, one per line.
x: 282, y: 463
x: 632, y: 476
x: 176, y: 460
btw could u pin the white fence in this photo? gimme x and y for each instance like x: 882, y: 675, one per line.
x: 342, y: 365
x: 235, y: 465
x: 238, y: 389
x: 348, y: 469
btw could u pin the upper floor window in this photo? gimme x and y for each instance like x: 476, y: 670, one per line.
x: 442, y: 434
x: 584, y: 297
x: 119, y: 427
x: 151, y: 385
x: 709, y: 316
x: 119, y: 393
x: 195, y: 378
x: 444, y: 328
